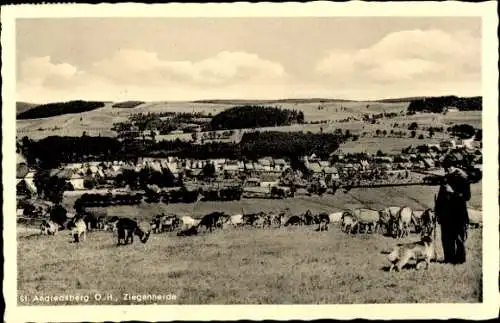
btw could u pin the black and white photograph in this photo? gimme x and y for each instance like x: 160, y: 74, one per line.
x: 273, y: 158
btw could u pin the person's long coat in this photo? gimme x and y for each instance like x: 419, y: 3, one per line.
x: 452, y: 207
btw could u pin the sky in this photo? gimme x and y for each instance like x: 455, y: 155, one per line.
x: 161, y: 59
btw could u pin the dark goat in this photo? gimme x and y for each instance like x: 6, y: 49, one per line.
x: 212, y: 220
x: 294, y: 220
x: 127, y: 228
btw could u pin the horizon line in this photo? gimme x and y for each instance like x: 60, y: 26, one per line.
x: 409, y: 98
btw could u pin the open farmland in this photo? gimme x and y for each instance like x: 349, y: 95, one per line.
x: 416, y: 197
x: 100, y: 121
x: 245, y: 266
x: 435, y: 120
x: 387, y: 145
x: 468, y: 117
x: 249, y: 265
x: 93, y: 123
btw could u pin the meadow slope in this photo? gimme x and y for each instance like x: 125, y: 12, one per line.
x: 242, y: 266
x: 251, y: 266
x: 100, y: 121
x: 416, y: 197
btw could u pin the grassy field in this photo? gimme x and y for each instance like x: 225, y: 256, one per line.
x: 94, y: 123
x: 385, y: 144
x: 242, y: 266
x: 250, y: 266
x: 416, y: 197
x: 469, y: 117
x: 100, y: 121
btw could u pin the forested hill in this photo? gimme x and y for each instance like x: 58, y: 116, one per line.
x: 438, y: 104
x: 24, y: 106
x: 60, y: 108
x: 252, y: 116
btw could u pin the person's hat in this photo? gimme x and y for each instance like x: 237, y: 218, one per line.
x: 453, y: 159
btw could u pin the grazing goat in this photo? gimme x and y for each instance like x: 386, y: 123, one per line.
x: 335, y: 217
x: 79, y: 231
x: 294, y: 220
x: 388, y: 217
x: 127, y: 228
x: 367, y: 218
x: 235, y: 220
x: 349, y: 222
x: 307, y: 218
x: 277, y: 219
x: 188, y: 222
x: 403, y: 222
x: 213, y: 220
x: 323, y: 221
x: 48, y: 227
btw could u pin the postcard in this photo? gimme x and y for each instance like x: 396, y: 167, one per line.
x: 250, y: 161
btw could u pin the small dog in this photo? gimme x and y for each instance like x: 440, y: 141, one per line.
x: 404, y: 252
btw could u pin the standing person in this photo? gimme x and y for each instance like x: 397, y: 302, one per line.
x: 451, y: 209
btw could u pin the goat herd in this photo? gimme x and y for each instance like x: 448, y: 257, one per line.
x: 394, y: 221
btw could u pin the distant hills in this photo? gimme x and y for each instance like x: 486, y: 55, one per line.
x: 400, y: 100
x: 322, y: 100
x: 24, y: 106
x: 430, y: 98
x: 59, y: 108
x: 26, y: 110
x: 299, y: 100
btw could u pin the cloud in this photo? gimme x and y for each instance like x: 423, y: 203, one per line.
x: 404, y: 63
x: 144, y: 75
x: 408, y: 56
x: 129, y: 66
x: 37, y: 70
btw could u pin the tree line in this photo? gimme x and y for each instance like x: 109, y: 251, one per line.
x: 254, y: 116
x: 59, y: 108
x: 373, y: 117
x: 465, y: 131
x: 147, y: 176
x: 438, y: 104
x: 288, y: 144
x: 52, y: 151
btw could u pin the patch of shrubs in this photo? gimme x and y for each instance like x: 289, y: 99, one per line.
x: 127, y: 104
x: 109, y: 199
